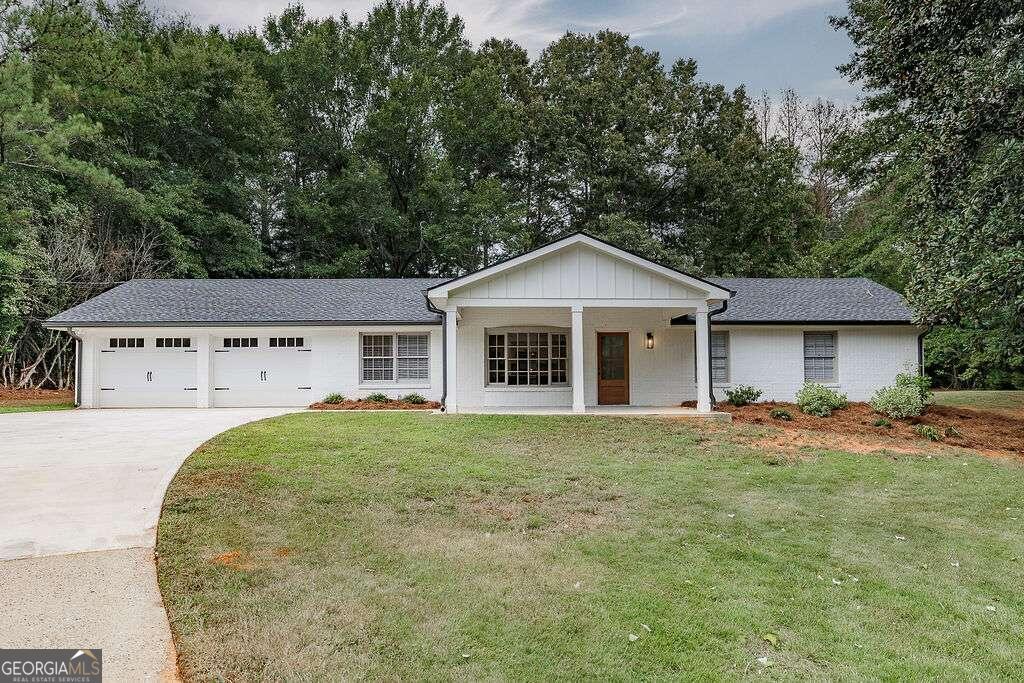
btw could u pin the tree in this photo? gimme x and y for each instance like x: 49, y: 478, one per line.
x: 945, y: 120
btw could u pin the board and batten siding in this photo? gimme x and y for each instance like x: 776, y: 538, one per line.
x: 578, y: 272
x: 771, y: 358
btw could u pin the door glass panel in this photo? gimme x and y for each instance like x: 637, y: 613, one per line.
x: 613, y: 357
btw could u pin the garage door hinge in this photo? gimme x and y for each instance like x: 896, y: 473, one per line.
x: 304, y: 387
x: 221, y: 388
x: 191, y: 389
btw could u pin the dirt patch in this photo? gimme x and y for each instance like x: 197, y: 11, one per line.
x: 31, y: 396
x: 232, y: 559
x: 283, y: 551
x: 372, y: 405
x: 982, y: 430
x: 575, y: 511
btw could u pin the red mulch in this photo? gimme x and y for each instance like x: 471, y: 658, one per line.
x: 986, y: 431
x: 370, y: 405
x: 22, y: 396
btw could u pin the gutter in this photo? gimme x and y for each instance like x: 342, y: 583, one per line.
x: 920, y: 350
x: 711, y: 383
x: 444, y: 352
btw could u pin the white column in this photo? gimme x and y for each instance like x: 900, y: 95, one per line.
x: 451, y: 356
x: 703, y: 360
x: 578, y: 401
x: 89, y: 375
x: 203, y: 371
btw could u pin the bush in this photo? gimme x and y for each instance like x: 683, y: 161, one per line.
x: 815, y: 399
x: 414, y: 399
x: 882, y: 422
x: 378, y: 398
x: 907, y: 397
x: 742, y: 395
x: 333, y: 399
x: 928, y: 432
x: 780, y: 414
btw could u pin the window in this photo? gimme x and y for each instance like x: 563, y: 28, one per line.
x: 173, y: 342
x: 820, y: 356
x: 720, y: 357
x: 395, y: 357
x: 286, y: 342
x: 127, y: 342
x: 528, y: 358
x: 241, y: 342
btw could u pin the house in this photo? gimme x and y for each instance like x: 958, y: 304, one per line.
x: 571, y: 325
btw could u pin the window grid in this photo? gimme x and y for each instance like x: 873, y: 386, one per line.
x: 413, y: 358
x: 819, y: 356
x: 127, y: 342
x: 378, y: 358
x: 720, y: 357
x: 241, y: 342
x: 173, y: 342
x: 528, y: 359
x: 286, y: 342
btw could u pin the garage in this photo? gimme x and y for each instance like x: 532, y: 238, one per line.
x: 146, y: 372
x: 261, y: 371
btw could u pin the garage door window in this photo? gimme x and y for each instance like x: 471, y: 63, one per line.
x: 395, y: 358
x: 286, y: 342
x: 127, y: 342
x: 241, y: 342
x: 173, y: 343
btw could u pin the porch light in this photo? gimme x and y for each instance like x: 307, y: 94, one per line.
x: 650, y: 340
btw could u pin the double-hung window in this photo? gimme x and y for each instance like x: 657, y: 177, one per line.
x: 519, y: 358
x: 720, y: 357
x: 395, y: 358
x: 820, y: 356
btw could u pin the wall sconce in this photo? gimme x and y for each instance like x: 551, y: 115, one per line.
x: 650, y: 340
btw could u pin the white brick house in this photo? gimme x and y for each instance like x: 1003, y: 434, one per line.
x: 575, y: 324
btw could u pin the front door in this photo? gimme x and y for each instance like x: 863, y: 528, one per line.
x: 612, y: 368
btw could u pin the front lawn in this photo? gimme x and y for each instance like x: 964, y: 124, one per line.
x: 413, y: 546
x: 29, y: 400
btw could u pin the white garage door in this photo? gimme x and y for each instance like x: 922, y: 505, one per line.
x: 261, y: 371
x: 147, y: 372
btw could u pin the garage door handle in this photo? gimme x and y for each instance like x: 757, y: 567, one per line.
x: 149, y: 376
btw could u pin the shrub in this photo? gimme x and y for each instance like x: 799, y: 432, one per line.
x: 780, y: 414
x: 815, y: 399
x: 378, y: 398
x: 882, y: 422
x: 928, y: 432
x: 414, y: 399
x: 907, y: 397
x: 334, y: 398
x: 742, y: 395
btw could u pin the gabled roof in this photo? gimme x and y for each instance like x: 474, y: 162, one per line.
x: 260, y: 302
x: 846, y: 301
x: 713, y: 290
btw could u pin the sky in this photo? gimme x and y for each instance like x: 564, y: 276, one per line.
x: 763, y: 44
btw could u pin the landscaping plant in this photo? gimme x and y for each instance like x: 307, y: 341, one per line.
x: 780, y: 414
x: 414, y: 399
x: 819, y: 400
x: 378, y: 398
x: 882, y: 422
x: 334, y: 398
x: 742, y: 395
x: 909, y: 395
x: 928, y: 432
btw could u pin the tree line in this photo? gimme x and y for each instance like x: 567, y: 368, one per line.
x: 134, y: 144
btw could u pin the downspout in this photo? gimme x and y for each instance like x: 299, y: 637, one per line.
x: 444, y: 352
x: 711, y: 384
x: 920, y: 351
x: 78, y: 366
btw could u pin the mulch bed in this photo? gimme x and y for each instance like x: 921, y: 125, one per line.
x: 372, y: 405
x: 981, y: 430
x: 23, y: 396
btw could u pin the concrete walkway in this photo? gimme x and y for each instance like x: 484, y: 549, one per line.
x: 81, y: 495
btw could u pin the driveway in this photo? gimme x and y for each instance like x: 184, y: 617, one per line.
x: 82, y: 491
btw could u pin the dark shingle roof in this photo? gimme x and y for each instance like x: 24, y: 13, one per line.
x: 793, y: 300
x: 145, y: 302
x: 369, y: 300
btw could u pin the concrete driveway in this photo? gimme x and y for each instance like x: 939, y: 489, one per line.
x: 81, y: 495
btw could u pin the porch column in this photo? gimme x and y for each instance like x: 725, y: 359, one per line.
x: 700, y: 327
x: 578, y: 401
x: 450, y: 351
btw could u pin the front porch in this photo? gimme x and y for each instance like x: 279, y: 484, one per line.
x: 605, y: 411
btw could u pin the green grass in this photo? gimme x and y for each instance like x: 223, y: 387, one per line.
x: 33, y: 407
x: 407, y: 546
x: 981, y: 399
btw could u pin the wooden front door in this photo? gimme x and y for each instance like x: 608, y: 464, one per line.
x: 612, y: 368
